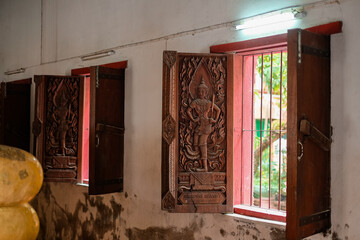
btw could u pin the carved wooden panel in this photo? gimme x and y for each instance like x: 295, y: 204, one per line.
x: 197, y: 132
x: 57, y: 122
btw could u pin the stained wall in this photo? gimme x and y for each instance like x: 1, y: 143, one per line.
x: 48, y: 37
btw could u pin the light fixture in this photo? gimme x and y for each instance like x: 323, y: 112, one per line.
x: 20, y: 70
x: 98, y: 55
x: 271, y: 18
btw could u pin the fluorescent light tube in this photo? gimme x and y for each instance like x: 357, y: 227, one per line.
x: 97, y: 55
x: 20, y: 70
x: 266, y: 20
x: 279, y: 16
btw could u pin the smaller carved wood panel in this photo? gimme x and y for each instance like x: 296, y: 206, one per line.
x: 61, y: 123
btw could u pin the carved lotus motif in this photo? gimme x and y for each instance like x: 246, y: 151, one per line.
x: 169, y: 125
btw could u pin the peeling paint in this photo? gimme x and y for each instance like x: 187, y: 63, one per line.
x: 223, y: 232
x: 277, y: 234
x: 327, y: 233
x: 335, y: 236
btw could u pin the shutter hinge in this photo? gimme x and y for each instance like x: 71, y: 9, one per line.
x: 299, y: 46
x: 97, y: 81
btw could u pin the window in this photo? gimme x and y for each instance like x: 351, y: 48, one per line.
x: 79, y: 127
x: 218, y: 115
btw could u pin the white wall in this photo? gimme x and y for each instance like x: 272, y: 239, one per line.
x: 47, y: 37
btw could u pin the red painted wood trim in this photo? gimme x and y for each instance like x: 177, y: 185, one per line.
x: 272, y: 41
x: 22, y: 81
x: 259, y: 213
x: 86, y: 70
x: 250, y: 45
x: 80, y: 71
x: 327, y: 29
x: 116, y: 65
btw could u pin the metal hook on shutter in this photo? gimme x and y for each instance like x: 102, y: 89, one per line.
x: 301, y: 150
x: 97, y: 140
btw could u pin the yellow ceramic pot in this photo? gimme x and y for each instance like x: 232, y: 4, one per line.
x: 21, y: 176
x: 19, y: 222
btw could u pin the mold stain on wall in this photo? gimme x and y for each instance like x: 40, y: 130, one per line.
x: 92, y: 217
x: 66, y: 211
x: 158, y: 233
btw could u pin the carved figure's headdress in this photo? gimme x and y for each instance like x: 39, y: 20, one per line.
x: 202, y: 84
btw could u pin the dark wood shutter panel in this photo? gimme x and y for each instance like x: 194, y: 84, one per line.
x: 107, y: 92
x: 197, y: 132
x: 57, y: 120
x: 15, y: 125
x: 308, y: 175
x: 2, y: 106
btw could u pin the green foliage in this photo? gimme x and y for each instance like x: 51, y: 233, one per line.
x: 265, y: 169
x: 279, y: 73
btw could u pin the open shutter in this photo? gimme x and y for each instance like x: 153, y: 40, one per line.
x: 106, y: 163
x: 15, y: 111
x: 57, y: 120
x: 2, y: 106
x: 197, y: 132
x: 308, y: 175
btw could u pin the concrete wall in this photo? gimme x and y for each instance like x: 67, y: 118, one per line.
x: 48, y: 36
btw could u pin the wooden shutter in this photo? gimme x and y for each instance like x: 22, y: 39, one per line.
x: 107, y: 91
x: 58, y: 118
x: 2, y: 106
x: 308, y: 175
x: 15, y: 119
x: 189, y: 135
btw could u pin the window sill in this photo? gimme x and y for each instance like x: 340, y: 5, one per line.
x: 261, y: 214
x: 260, y: 221
x: 82, y: 184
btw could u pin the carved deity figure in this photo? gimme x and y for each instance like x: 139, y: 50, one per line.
x: 63, y: 116
x: 203, y: 117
